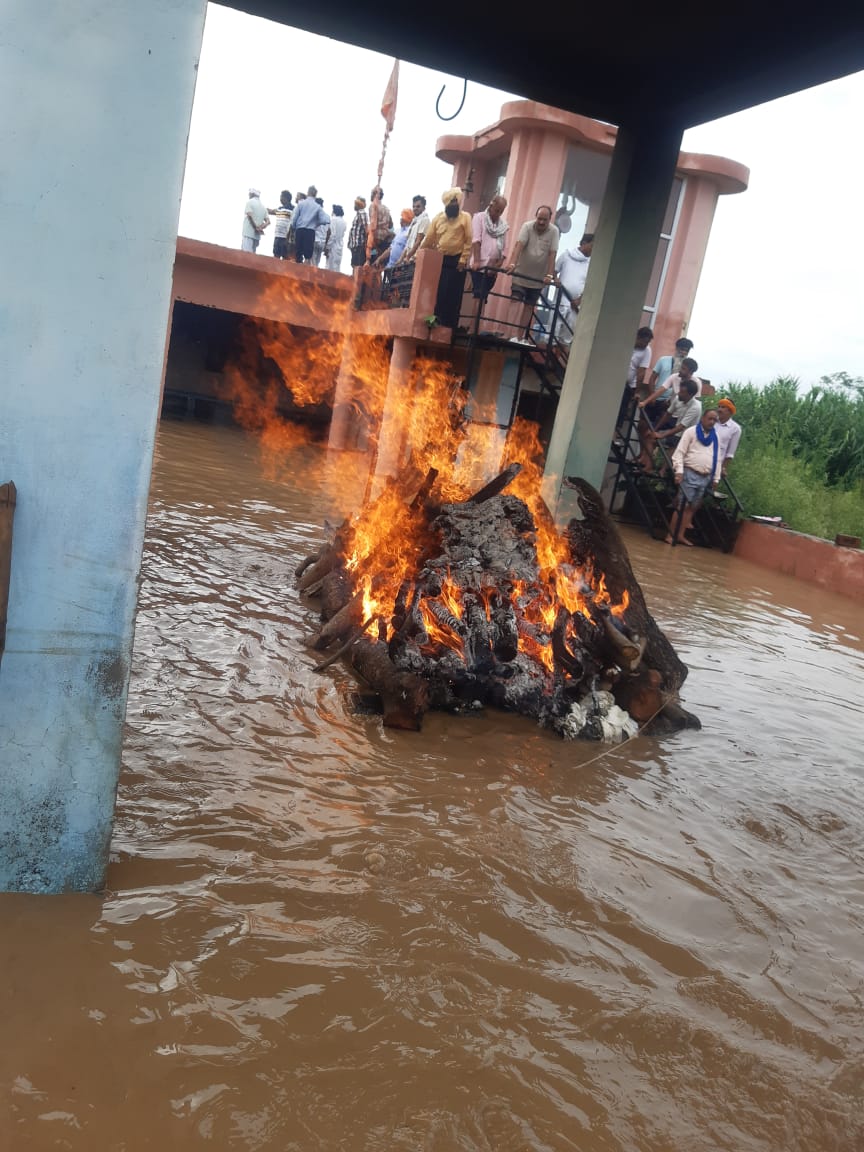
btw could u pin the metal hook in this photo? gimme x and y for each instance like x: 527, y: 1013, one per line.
x: 461, y: 102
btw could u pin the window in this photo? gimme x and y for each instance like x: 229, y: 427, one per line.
x: 664, y: 248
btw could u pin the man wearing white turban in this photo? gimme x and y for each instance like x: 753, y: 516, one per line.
x: 450, y: 233
x: 255, y: 220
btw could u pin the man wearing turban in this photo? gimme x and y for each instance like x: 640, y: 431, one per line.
x: 450, y: 233
x: 255, y: 220
x: 728, y: 432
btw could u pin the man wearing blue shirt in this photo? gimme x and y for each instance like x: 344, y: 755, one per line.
x: 308, y: 215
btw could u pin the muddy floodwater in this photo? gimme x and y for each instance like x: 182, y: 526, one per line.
x: 320, y: 935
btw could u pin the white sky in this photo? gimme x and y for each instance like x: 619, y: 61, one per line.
x: 779, y: 293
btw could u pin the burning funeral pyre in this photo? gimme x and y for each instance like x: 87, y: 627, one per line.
x: 454, y: 605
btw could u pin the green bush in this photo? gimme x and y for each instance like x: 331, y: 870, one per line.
x: 802, y: 456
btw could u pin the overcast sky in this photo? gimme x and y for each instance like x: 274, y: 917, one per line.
x: 780, y: 292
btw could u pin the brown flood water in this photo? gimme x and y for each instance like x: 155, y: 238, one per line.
x: 320, y: 935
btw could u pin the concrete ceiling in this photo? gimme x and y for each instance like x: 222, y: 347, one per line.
x: 673, y: 63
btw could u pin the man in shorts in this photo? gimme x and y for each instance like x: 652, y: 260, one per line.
x: 698, y: 464
x: 532, y: 265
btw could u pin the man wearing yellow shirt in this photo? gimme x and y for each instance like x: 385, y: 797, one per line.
x: 450, y: 233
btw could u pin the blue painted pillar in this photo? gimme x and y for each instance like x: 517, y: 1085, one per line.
x: 97, y: 100
x: 628, y: 232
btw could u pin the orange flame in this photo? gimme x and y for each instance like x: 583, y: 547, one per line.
x: 285, y: 381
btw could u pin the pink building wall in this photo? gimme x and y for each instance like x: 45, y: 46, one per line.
x: 538, y: 138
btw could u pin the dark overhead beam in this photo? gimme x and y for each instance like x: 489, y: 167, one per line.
x: 607, y: 62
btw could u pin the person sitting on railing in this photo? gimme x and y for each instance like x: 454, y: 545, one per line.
x: 488, y: 231
x: 666, y: 366
x: 450, y: 233
x: 393, y: 252
x: 571, y: 268
x: 728, y: 432
x: 654, y: 407
x: 640, y: 361
x: 532, y: 265
x: 684, y: 412
x: 697, y: 466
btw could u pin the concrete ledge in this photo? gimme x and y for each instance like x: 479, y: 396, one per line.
x: 808, y: 558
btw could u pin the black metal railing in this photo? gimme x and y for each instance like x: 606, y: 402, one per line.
x: 654, y: 496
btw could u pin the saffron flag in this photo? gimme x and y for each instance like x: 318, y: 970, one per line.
x: 388, y: 104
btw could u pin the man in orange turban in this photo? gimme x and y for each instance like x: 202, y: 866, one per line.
x: 728, y: 432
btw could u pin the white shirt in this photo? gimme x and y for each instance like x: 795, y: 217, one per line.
x: 338, y: 224
x: 641, y: 358
x: 419, y: 227
x: 673, y: 383
x: 572, y: 270
x: 282, y: 216
x: 686, y: 413
x: 259, y: 215
x: 728, y: 434
x: 690, y: 453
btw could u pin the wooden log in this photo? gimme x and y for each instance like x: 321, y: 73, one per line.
x: 497, y: 485
x: 307, y: 563
x: 641, y: 694
x: 8, y: 499
x: 405, y: 696
x: 337, y: 588
x: 424, y: 489
x: 315, y: 573
x: 622, y: 650
x: 596, y: 543
x: 356, y: 633
x: 338, y: 627
x: 566, y: 660
x: 505, y: 634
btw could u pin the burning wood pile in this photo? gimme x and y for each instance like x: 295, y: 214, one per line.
x: 454, y: 605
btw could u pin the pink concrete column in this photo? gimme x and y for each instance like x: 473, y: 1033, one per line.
x: 534, y: 174
x: 685, y: 264
x: 343, y: 424
x: 397, y: 409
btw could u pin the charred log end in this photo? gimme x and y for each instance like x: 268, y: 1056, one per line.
x: 405, y: 700
x: 640, y: 694
x: 672, y: 718
x: 307, y: 563
x: 329, y: 559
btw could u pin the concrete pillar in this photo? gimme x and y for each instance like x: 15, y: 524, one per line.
x: 98, y: 100
x: 643, y: 166
x: 685, y: 264
x: 343, y: 424
x: 397, y: 409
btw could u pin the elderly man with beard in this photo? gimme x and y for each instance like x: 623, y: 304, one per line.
x: 698, y: 466
x: 358, y: 234
x: 450, y: 233
x: 488, y: 231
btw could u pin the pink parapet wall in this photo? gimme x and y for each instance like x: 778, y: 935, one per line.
x: 809, y: 558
